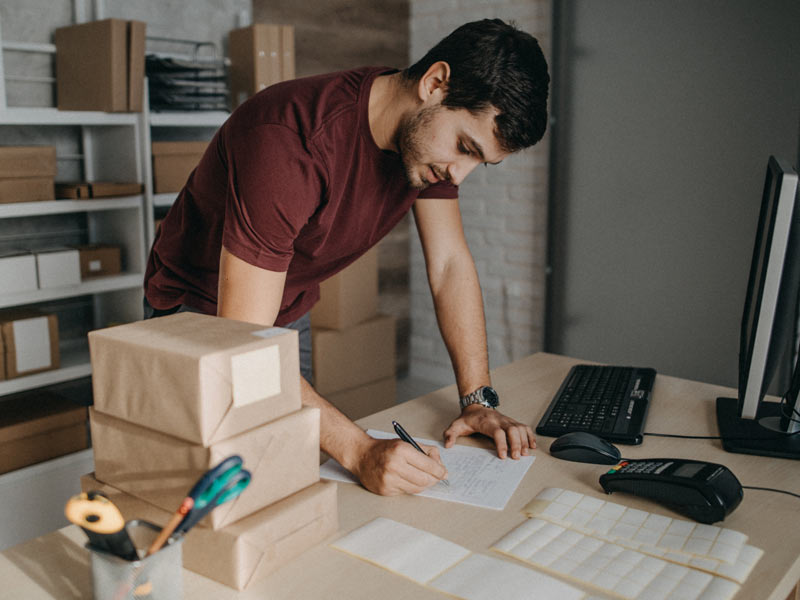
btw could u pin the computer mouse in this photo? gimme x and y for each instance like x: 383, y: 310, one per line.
x: 580, y: 446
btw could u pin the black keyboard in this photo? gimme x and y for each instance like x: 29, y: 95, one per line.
x: 609, y: 401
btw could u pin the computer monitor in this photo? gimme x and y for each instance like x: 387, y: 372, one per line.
x: 750, y: 424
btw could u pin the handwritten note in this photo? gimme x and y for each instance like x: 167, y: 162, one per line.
x: 476, y: 475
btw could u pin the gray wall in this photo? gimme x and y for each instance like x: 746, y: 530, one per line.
x: 667, y: 113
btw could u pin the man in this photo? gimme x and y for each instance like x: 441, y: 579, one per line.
x: 309, y: 174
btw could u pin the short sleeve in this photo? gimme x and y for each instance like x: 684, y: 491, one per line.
x: 275, y: 184
x: 440, y: 190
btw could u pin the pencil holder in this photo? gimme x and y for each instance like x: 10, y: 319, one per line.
x: 156, y: 577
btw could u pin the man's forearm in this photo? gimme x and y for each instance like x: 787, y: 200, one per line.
x: 459, y: 311
x: 339, y: 436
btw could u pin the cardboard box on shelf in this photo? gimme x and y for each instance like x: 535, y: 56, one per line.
x: 349, y: 297
x: 282, y: 455
x: 58, y: 267
x: 347, y: 358
x: 97, y: 189
x: 173, y: 162
x: 37, y: 426
x: 366, y: 399
x: 30, y: 189
x: 250, y: 549
x: 99, y: 260
x: 100, y: 66
x: 31, y: 342
x: 18, y: 162
x: 261, y: 55
x: 200, y: 378
x: 18, y: 271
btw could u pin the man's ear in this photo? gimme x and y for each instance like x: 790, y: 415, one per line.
x: 432, y: 87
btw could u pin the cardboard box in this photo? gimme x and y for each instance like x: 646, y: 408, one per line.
x: 18, y: 271
x: 58, y: 267
x: 100, y: 66
x: 99, y: 260
x: 38, y: 426
x: 349, y: 297
x: 31, y: 342
x: 260, y: 56
x: 200, y: 378
x: 252, y: 548
x: 97, y: 189
x: 283, y: 457
x: 347, y: 358
x: 31, y: 189
x: 18, y: 162
x: 173, y: 162
x: 366, y: 399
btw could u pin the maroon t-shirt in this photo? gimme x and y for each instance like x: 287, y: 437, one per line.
x: 292, y: 182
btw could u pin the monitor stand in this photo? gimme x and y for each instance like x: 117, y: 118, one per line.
x: 760, y: 436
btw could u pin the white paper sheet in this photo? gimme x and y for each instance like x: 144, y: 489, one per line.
x: 477, y: 477
x: 481, y: 577
x: 402, y: 549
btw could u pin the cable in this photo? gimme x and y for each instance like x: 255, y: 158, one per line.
x: 766, y: 489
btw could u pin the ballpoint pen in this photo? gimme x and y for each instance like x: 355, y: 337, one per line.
x: 407, y: 438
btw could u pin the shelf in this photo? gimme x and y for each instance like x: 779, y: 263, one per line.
x: 54, y: 207
x: 75, y: 363
x: 100, y: 285
x: 53, y: 116
x: 165, y: 199
x: 188, y: 119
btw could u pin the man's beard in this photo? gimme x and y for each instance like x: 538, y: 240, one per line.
x: 410, y: 144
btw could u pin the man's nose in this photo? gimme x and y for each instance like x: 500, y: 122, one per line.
x: 459, y: 170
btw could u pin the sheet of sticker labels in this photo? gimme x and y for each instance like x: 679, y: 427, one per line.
x: 616, y: 551
x: 629, y: 553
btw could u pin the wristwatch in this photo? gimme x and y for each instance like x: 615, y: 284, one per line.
x: 484, y: 395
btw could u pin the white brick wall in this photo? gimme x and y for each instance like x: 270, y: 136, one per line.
x: 504, y: 209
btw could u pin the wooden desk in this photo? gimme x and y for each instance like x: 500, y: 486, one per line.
x: 56, y: 565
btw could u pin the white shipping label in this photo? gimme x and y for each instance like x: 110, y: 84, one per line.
x: 32, y: 344
x: 95, y: 265
x: 270, y: 332
x: 256, y: 375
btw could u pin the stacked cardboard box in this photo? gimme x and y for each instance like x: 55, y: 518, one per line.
x: 176, y: 395
x: 173, y: 162
x: 37, y: 426
x: 30, y: 342
x: 353, y: 347
x: 260, y: 55
x: 27, y: 173
x: 100, y: 66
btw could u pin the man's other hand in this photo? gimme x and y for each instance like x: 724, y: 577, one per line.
x: 508, y: 435
x: 392, y: 467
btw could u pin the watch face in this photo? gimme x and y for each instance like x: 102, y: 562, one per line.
x: 490, y: 396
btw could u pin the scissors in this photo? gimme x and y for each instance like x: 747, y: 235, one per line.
x: 220, y: 484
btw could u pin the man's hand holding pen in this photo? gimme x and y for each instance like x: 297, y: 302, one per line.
x: 392, y: 467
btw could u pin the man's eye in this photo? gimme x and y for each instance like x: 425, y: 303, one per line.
x: 463, y: 149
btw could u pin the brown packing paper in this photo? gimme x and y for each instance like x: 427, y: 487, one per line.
x: 349, y: 297
x: 197, y: 377
x: 283, y: 457
x: 252, y: 548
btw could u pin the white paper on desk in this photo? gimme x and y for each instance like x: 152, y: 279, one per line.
x: 476, y: 475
